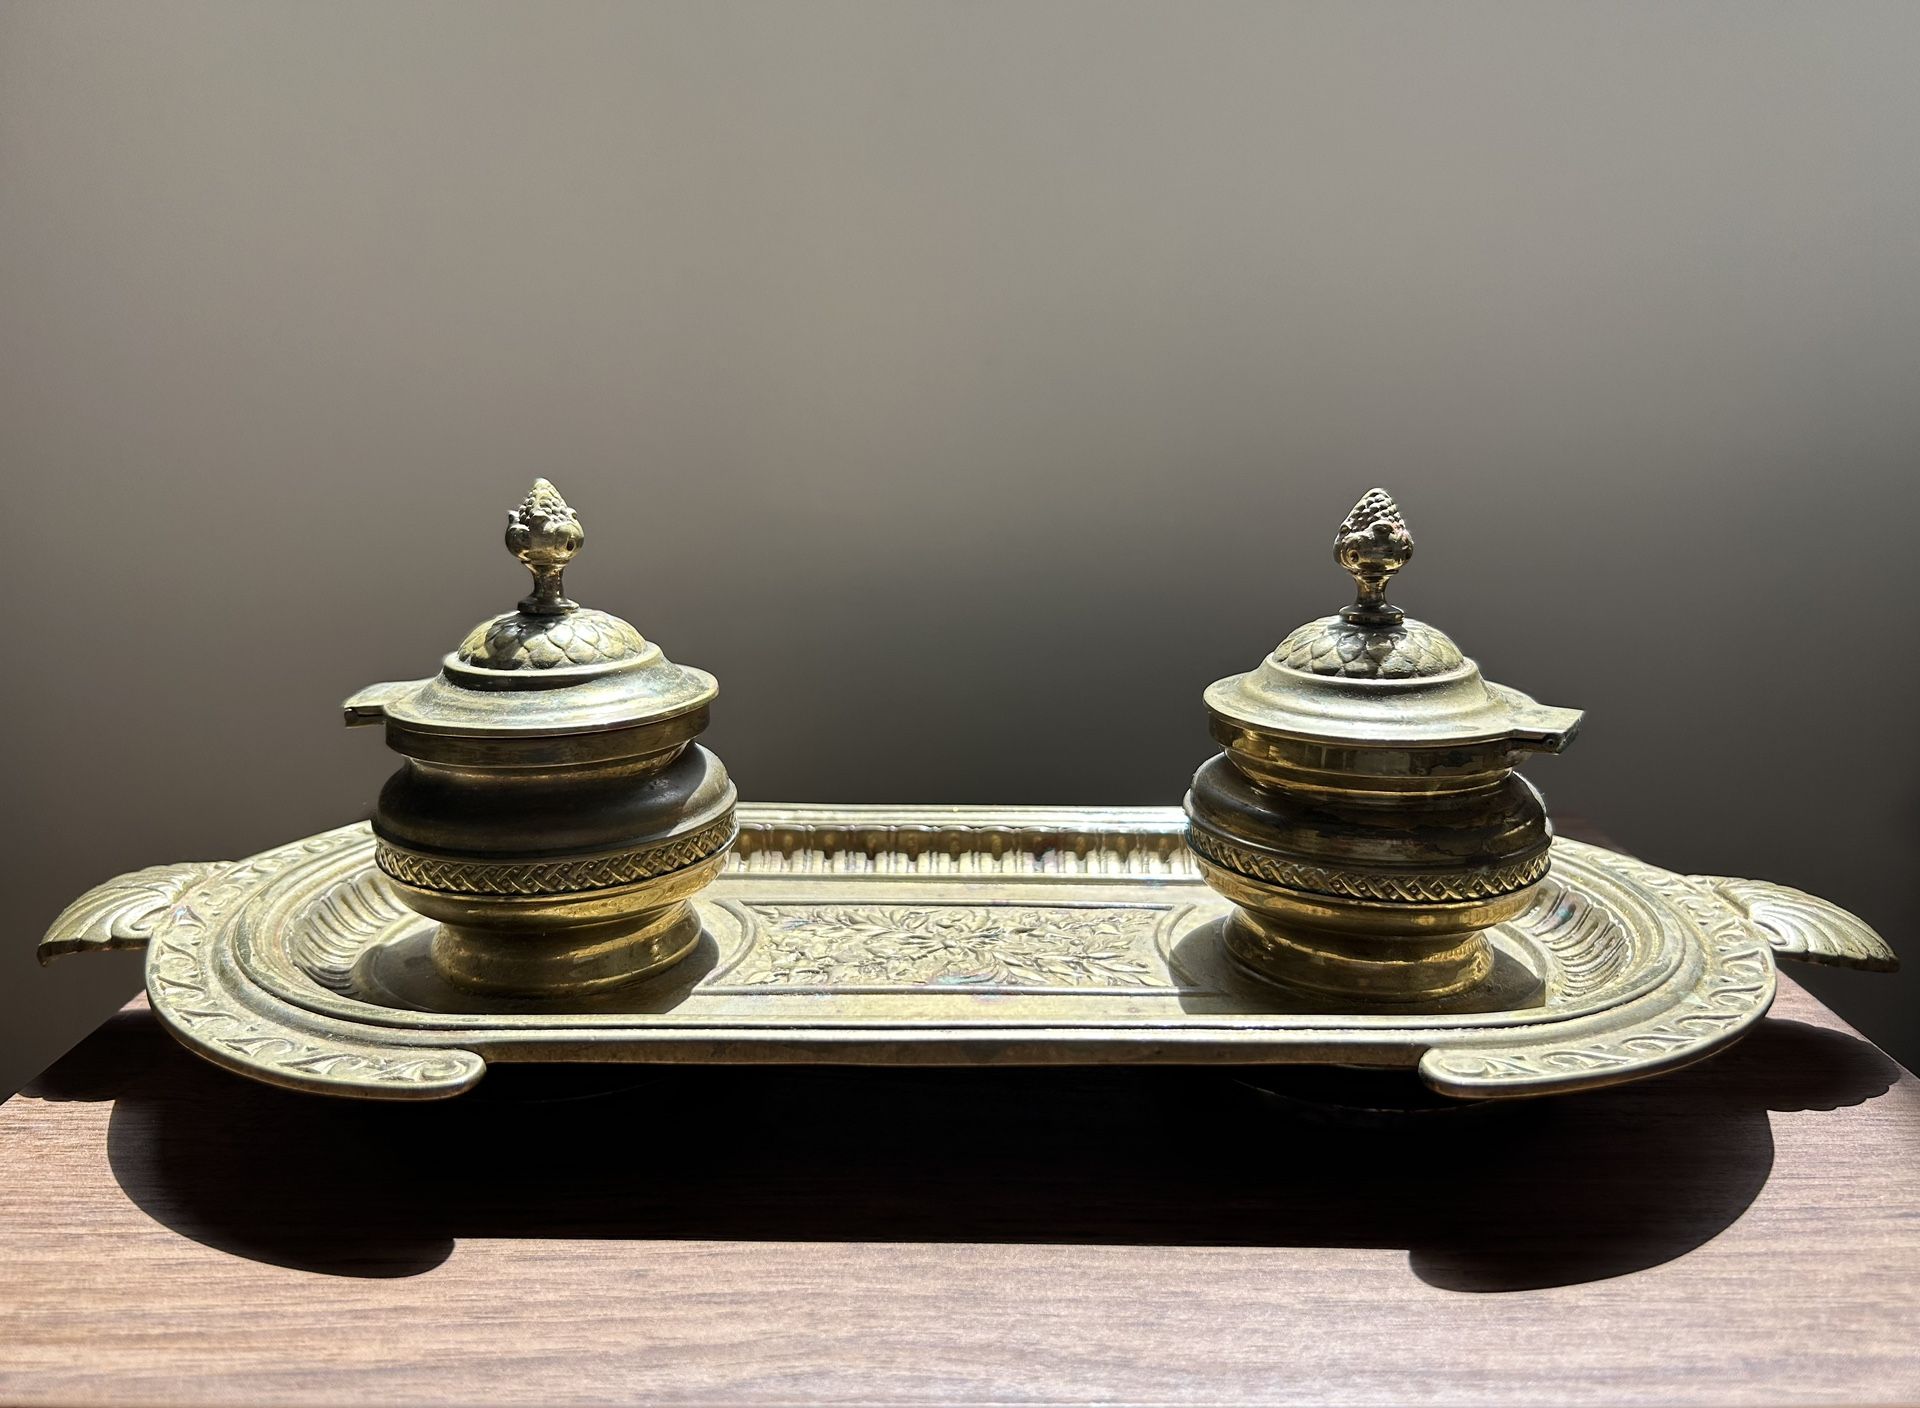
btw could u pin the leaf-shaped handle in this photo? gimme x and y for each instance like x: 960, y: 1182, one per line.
x: 1803, y: 926
x: 125, y: 911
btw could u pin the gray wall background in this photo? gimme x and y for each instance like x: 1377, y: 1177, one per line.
x: 967, y: 385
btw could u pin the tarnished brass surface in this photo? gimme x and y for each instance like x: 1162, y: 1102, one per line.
x: 558, y: 872
x: 1365, y: 818
x: 553, y: 811
x: 946, y: 935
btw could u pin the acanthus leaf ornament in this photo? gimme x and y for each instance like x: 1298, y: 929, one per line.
x: 1803, y: 926
x: 124, y: 912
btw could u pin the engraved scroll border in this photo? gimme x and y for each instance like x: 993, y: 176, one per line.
x: 214, y: 1006
x: 1727, y: 986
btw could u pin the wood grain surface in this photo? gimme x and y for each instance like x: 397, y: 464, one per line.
x: 1744, y: 1231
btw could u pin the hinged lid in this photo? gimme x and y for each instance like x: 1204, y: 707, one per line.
x: 551, y: 666
x: 1370, y: 675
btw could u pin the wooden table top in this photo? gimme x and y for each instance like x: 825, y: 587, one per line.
x: 1744, y: 1231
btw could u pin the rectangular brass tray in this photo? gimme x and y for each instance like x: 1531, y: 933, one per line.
x: 945, y: 936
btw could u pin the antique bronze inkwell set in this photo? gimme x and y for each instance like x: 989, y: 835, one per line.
x: 559, y: 872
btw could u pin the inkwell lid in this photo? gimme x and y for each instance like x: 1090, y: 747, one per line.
x: 1372, y: 676
x: 551, y: 666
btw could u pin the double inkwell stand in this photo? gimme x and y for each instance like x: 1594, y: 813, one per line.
x: 559, y: 872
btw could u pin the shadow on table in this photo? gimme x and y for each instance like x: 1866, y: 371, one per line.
x: 1536, y: 1194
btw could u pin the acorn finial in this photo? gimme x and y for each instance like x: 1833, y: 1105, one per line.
x: 1373, y: 543
x: 544, y: 533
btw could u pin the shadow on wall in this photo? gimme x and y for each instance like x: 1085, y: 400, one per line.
x: 1505, y: 1198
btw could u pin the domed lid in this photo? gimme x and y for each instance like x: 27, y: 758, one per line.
x: 1372, y: 676
x: 552, y: 666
